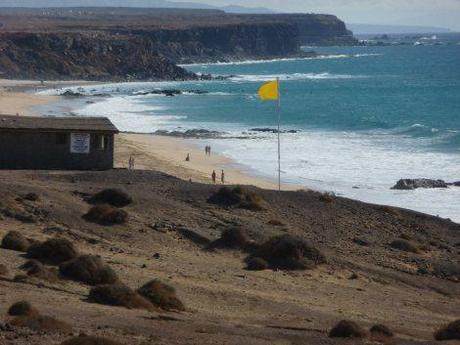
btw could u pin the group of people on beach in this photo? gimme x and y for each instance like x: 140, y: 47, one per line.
x: 214, y: 177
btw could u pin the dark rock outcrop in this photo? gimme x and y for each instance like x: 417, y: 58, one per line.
x: 408, y: 184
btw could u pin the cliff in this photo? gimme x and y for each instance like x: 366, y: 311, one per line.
x: 134, y: 44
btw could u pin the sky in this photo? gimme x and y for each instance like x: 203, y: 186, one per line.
x: 440, y: 13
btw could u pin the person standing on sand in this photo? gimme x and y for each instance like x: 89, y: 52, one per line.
x: 187, y: 159
x: 214, y: 176
x: 131, y: 163
x: 222, y: 177
x: 209, y: 150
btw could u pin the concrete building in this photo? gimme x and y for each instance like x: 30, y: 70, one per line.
x: 65, y: 143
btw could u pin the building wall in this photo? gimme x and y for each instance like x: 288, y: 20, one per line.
x: 42, y: 150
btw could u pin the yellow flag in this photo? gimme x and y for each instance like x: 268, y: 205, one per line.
x: 269, y: 91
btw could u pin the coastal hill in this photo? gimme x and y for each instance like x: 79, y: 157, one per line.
x: 366, y: 263
x: 147, y: 44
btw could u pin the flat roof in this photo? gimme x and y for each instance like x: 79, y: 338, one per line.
x: 52, y: 123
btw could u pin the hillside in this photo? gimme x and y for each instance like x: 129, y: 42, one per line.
x: 172, y: 234
x: 109, y: 43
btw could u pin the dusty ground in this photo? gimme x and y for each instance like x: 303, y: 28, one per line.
x: 225, y: 303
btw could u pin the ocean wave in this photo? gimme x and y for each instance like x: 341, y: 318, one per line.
x: 254, y: 62
x: 295, y: 76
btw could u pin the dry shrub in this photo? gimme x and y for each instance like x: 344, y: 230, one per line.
x: 32, y: 197
x: 53, y: 251
x: 256, y: 264
x: 405, y: 246
x: 447, y: 270
x: 234, y: 237
x: 381, y: 330
x: 37, y: 270
x: 22, y: 308
x: 347, y: 329
x: 3, y: 270
x: 290, y: 253
x: 14, y: 240
x: 449, y: 332
x: 161, y: 295
x: 40, y: 323
x: 118, y: 295
x: 113, y: 197
x: 238, y: 196
x: 326, y: 197
x: 106, y: 215
x: 88, y: 269
x: 89, y: 340
x: 275, y: 222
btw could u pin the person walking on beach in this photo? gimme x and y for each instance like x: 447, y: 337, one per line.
x: 131, y: 163
x: 187, y: 159
x: 206, y: 150
x: 222, y: 177
x: 209, y: 150
x: 213, y: 176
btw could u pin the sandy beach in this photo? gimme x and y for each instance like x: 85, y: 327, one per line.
x: 151, y: 152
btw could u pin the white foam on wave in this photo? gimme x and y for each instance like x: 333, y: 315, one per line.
x: 358, y: 166
x: 254, y: 62
x: 295, y: 76
x: 130, y: 115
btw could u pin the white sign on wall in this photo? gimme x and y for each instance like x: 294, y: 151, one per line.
x: 79, y: 143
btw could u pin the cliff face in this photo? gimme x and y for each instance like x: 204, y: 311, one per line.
x: 127, y: 46
x: 84, y: 56
x: 229, y: 42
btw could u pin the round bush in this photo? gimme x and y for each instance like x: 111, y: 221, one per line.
x: 88, y: 269
x: 14, y: 240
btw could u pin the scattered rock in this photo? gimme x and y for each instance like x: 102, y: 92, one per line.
x: 88, y: 269
x: 161, y: 295
x: 347, y: 329
x: 361, y: 242
x: 409, y: 184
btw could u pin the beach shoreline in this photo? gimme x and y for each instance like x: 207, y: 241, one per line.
x: 151, y: 152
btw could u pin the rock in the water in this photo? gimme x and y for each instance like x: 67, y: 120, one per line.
x: 408, y: 184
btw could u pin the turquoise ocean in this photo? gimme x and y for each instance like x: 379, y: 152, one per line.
x: 362, y: 118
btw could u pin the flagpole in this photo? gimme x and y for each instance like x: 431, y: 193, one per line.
x: 279, y: 134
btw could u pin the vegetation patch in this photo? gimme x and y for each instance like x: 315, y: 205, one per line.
x: 113, y: 197
x: 118, y: 295
x: 88, y: 269
x: 234, y: 237
x: 3, y: 270
x: 31, y: 197
x: 22, y: 308
x: 89, y: 340
x: 38, y: 270
x: 161, y: 295
x: 405, y: 246
x: 289, y: 253
x: 256, y: 264
x: 40, y: 323
x: 447, y: 270
x: 106, y: 215
x: 380, y: 330
x: 239, y: 196
x: 347, y: 329
x: 14, y: 240
x: 53, y: 251
x: 449, y: 332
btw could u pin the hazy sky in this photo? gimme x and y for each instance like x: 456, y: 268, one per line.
x: 442, y: 13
